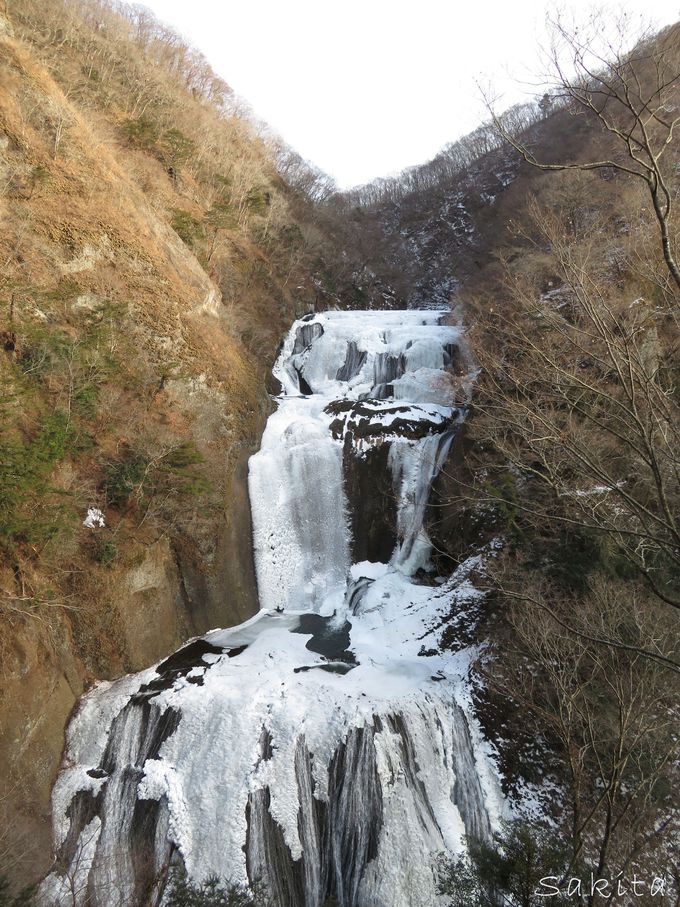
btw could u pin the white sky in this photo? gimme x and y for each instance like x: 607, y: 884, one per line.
x: 364, y: 88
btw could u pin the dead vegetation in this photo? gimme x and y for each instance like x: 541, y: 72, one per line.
x: 572, y: 463
x: 151, y: 256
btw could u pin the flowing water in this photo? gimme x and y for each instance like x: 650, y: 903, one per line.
x: 326, y: 747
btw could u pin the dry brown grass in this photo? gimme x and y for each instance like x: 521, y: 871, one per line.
x: 144, y: 342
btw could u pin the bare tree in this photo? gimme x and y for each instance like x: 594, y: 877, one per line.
x: 612, y: 715
x: 631, y: 95
x: 578, y: 400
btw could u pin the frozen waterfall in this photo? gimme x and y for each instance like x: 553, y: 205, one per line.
x: 326, y: 747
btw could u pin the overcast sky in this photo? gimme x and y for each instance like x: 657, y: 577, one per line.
x: 364, y: 88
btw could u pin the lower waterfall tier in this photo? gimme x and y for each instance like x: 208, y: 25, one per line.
x: 323, y: 757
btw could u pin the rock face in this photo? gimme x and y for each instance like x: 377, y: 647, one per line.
x: 324, y: 747
x: 372, y: 502
x: 40, y: 685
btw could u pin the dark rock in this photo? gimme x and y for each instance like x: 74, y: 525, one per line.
x: 354, y: 361
x: 372, y: 502
x: 178, y: 665
x: 303, y: 385
x: 273, y: 385
x: 306, y: 335
x: 362, y: 420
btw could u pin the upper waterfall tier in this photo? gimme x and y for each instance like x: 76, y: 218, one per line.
x: 327, y: 747
x: 396, y: 354
x: 351, y: 382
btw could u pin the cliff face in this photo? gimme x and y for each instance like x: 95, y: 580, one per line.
x: 146, y: 278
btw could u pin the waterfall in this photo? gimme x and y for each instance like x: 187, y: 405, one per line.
x: 327, y: 746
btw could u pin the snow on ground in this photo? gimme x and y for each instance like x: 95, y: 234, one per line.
x: 94, y: 518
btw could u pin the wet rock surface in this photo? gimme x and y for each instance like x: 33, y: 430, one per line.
x: 372, y: 502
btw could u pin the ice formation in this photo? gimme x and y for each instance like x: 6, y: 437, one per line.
x: 326, y: 746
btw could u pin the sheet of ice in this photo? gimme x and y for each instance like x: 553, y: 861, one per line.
x: 425, y: 385
x: 411, y: 340
x: 414, y: 466
x: 434, y: 786
x: 300, y: 532
x: 301, y: 540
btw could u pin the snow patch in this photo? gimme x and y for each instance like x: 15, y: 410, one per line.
x: 94, y: 519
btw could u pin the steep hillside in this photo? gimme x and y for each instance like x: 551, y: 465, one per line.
x: 569, y: 460
x: 151, y: 256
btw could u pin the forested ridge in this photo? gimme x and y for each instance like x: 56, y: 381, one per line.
x: 157, y: 241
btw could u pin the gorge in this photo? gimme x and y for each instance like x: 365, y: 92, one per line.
x: 289, y: 617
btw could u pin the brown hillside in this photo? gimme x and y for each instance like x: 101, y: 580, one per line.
x: 151, y: 259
